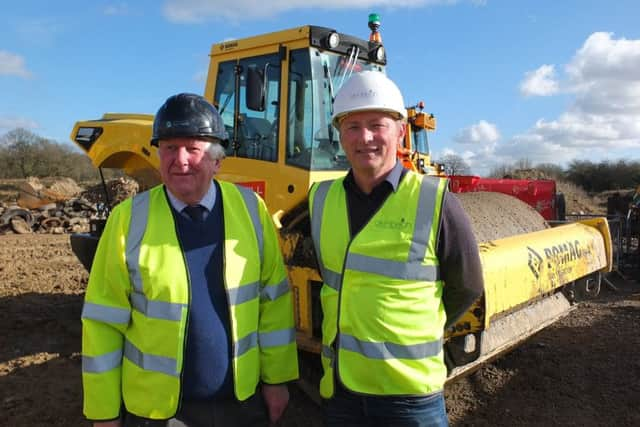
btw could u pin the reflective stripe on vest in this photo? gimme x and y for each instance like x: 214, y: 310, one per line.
x: 250, y: 291
x: 149, y: 362
x: 251, y: 203
x: 410, y: 270
x: 333, y: 279
x: 410, y: 361
x: 104, y: 363
x: 173, y: 311
x: 136, y: 311
x: 137, y: 226
x: 264, y: 340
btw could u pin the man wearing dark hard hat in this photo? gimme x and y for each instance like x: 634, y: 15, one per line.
x: 399, y: 264
x: 188, y: 318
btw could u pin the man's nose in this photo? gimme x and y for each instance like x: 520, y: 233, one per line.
x: 366, y: 134
x: 182, y: 156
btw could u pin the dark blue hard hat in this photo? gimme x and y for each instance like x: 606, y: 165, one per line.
x: 188, y: 115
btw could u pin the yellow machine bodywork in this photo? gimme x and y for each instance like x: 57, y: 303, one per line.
x: 544, y: 262
x: 282, y: 142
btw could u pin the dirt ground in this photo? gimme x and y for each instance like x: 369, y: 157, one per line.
x: 582, y: 371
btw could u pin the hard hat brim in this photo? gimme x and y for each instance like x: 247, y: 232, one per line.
x: 337, y: 119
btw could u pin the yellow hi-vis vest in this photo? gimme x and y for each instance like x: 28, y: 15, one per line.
x: 137, y: 303
x: 384, y: 319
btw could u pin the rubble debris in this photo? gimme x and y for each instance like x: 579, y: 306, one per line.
x: 33, y: 194
x: 19, y: 225
x: 119, y: 189
x: 64, y: 207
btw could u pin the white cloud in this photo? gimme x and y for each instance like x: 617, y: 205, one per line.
x: 540, y: 82
x: 482, y: 132
x: 9, y: 123
x: 12, y: 64
x: 604, y: 77
x: 602, y: 120
x: 201, y: 10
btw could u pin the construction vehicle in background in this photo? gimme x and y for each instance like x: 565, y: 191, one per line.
x: 540, y: 194
x: 274, y: 93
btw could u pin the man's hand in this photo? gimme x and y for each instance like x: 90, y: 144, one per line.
x: 276, y: 397
x: 114, y: 423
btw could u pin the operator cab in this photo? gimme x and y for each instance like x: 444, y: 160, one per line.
x: 277, y: 106
x: 275, y: 95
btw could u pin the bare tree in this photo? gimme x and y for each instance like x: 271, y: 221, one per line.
x: 24, y: 154
x: 20, y: 156
x: 455, y: 165
x: 523, y: 164
x: 551, y: 170
x: 501, y: 171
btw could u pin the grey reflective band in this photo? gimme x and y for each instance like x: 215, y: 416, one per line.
x: 100, y: 364
x: 156, y: 309
x: 273, y: 292
x: 386, y: 350
x: 327, y: 352
x: 424, y: 218
x: 396, y: 269
x: 412, y: 269
x: 317, y: 211
x: 331, y: 279
x: 137, y: 227
x: 277, y: 338
x: 243, y: 293
x: 104, y: 313
x: 251, y: 201
x: 266, y: 340
x: 245, y: 344
x: 150, y: 362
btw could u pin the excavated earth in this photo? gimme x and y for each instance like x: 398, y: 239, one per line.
x: 582, y: 371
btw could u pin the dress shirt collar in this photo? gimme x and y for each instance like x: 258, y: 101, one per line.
x: 207, y: 201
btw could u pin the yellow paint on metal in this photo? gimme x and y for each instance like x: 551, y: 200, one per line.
x: 522, y: 268
x: 124, y: 144
x: 518, y: 271
x: 124, y: 136
x: 270, y: 39
x: 301, y: 280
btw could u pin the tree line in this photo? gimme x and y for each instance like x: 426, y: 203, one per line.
x: 24, y: 154
x: 592, y: 177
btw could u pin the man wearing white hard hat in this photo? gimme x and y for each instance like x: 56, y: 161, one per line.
x: 399, y: 265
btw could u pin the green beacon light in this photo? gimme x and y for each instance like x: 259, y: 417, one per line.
x: 374, y: 24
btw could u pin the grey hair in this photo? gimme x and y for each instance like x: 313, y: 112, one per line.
x: 216, y: 151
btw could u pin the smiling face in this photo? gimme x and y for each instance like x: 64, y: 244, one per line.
x: 370, y: 140
x: 186, y: 167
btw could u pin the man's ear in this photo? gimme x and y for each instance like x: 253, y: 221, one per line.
x: 403, y: 128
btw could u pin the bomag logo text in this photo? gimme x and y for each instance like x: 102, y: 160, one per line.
x: 565, y: 252
x: 394, y: 225
x: 229, y: 45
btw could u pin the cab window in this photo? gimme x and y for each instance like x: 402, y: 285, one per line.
x: 256, y: 134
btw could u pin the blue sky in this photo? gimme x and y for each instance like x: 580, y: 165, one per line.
x: 545, y: 81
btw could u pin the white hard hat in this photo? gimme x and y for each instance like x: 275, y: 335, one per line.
x: 368, y: 91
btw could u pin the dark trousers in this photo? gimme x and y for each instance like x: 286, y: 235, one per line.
x: 229, y: 413
x: 346, y: 409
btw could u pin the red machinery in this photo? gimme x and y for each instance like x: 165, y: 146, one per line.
x: 538, y: 193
